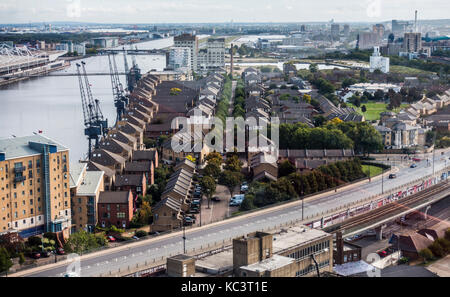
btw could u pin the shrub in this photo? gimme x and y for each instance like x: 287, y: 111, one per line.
x: 403, y: 260
x: 34, y: 240
x: 140, y: 233
x: 437, y: 249
x: 21, y: 258
x: 426, y: 254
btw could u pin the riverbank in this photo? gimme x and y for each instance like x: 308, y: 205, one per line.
x: 43, y: 70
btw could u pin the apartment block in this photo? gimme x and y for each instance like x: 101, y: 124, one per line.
x: 34, y: 186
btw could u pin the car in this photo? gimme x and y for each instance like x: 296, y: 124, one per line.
x: 60, y: 251
x: 414, y: 165
x: 71, y: 274
x: 135, y: 237
x: 46, y: 254
x: 382, y: 254
x: 215, y: 198
x: 111, y: 238
x: 155, y: 233
x: 35, y: 255
x: 416, y: 159
x: 392, y: 176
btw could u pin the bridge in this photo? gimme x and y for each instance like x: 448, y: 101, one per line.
x: 134, y: 51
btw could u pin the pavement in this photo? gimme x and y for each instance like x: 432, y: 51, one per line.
x: 156, y: 249
x: 441, y: 267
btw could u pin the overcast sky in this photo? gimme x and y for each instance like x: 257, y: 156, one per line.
x: 200, y: 11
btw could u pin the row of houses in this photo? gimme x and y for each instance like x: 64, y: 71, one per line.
x: 175, y: 201
x: 105, y: 189
x: 407, y: 129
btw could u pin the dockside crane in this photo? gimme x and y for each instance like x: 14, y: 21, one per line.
x: 127, y: 71
x: 134, y: 74
x: 92, y: 129
x: 97, y: 115
x: 120, y: 100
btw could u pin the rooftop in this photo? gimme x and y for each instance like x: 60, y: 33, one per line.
x: 294, y: 236
x: 18, y: 147
x: 275, y: 262
x: 90, y: 183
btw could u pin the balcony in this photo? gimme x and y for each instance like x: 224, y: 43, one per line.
x: 19, y: 179
x: 19, y: 169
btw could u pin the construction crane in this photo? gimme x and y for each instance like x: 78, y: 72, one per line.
x: 120, y: 100
x: 92, y: 129
x: 127, y: 70
x: 134, y: 75
x: 97, y: 115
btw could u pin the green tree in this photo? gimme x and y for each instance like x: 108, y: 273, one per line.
x: 437, y: 249
x: 212, y: 169
x: 426, y: 254
x: 233, y: 164
x: 313, y: 68
x: 286, y: 168
x: 363, y: 108
x: 80, y: 242
x: 230, y: 179
x: 21, y: 259
x: 247, y: 204
x: 5, y: 260
x: 208, y: 185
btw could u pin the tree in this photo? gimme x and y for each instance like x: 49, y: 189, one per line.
x: 437, y: 249
x: 208, y: 185
x: 145, y: 213
x: 230, y: 179
x: 247, y: 204
x: 313, y: 68
x: 307, y: 98
x: 286, y: 168
x: 212, y: 169
x: 80, y: 242
x: 214, y: 155
x: 21, y: 259
x: 426, y: 254
x: 363, y: 108
x: 233, y: 164
x: 5, y: 260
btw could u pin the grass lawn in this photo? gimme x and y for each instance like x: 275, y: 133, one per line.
x: 374, y: 170
x: 407, y: 70
x: 374, y: 109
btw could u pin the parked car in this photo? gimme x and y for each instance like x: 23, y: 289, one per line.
x: 46, y: 254
x: 111, y: 239
x: 71, y: 274
x: 155, y: 233
x: 392, y: 176
x: 35, y: 255
x: 382, y: 254
x: 414, y: 165
x: 135, y: 237
x: 215, y: 198
x: 416, y: 159
x: 60, y: 251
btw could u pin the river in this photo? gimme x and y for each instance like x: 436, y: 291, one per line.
x: 52, y: 104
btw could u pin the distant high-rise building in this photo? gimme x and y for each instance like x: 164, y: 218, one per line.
x: 346, y: 30
x: 180, y: 59
x: 412, y: 42
x: 303, y: 28
x: 212, y: 57
x: 367, y: 40
x: 379, y: 29
x: 190, y: 41
x: 335, y: 28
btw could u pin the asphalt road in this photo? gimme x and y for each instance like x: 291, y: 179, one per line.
x: 157, y: 248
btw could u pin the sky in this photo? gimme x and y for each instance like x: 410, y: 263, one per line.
x: 218, y: 11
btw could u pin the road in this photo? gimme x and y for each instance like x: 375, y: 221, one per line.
x: 156, y: 248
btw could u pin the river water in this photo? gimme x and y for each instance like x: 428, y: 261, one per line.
x: 53, y: 105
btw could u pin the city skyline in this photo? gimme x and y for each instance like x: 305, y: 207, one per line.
x: 204, y: 11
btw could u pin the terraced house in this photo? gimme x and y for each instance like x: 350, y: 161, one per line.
x: 34, y: 186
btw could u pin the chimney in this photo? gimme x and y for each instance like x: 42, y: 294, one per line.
x: 415, y: 23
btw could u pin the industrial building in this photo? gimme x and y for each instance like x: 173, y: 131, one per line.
x: 34, y: 186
